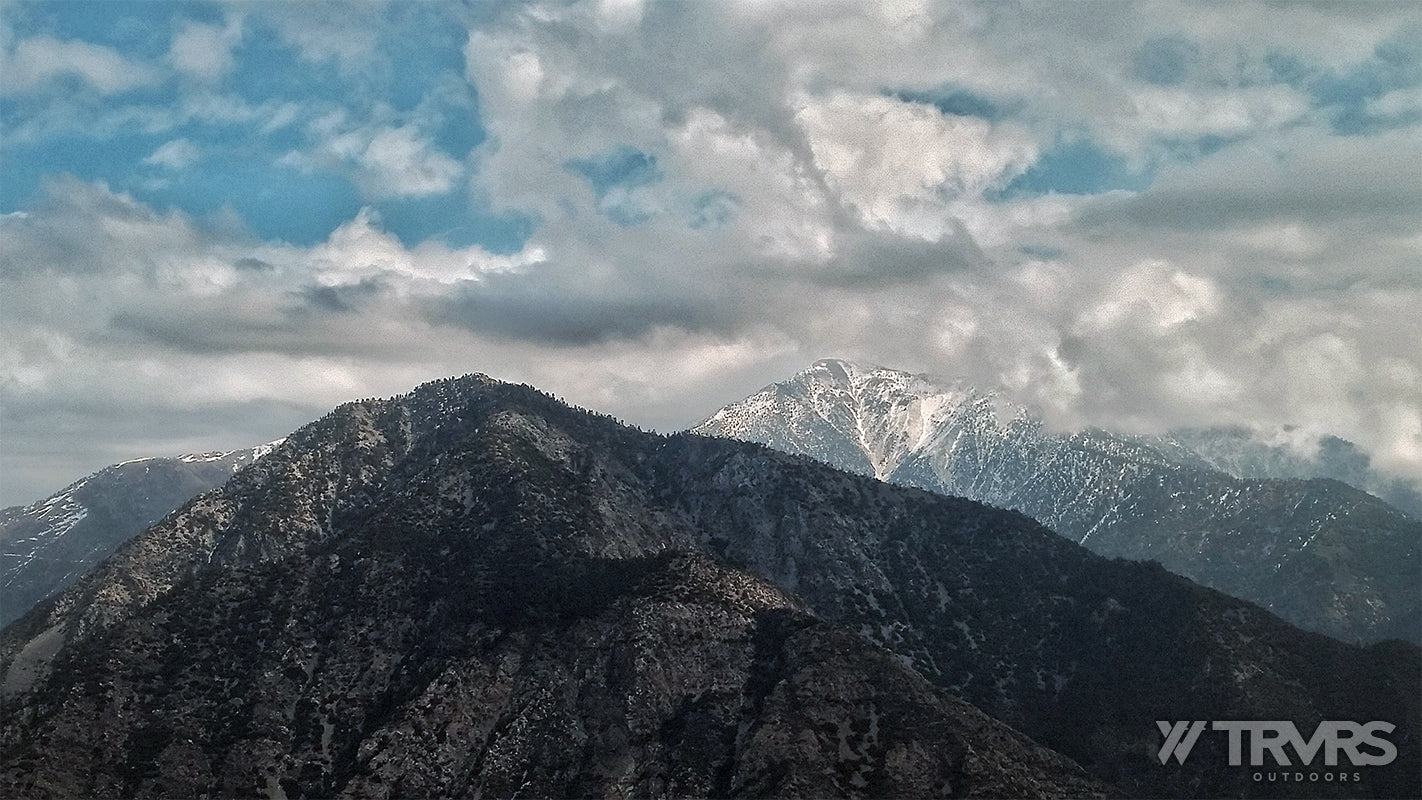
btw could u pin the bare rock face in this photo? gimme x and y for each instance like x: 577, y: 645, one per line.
x: 473, y: 590
x: 1319, y: 553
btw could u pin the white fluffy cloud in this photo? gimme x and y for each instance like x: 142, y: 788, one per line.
x: 205, y: 51
x: 387, y: 160
x: 360, y: 250
x: 177, y: 154
x: 1153, y: 293
x: 898, y: 164
x: 396, y: 162
x: 36, y: 63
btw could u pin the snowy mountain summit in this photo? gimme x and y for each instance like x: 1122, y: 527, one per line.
x: 866, y: 419
x: 1322, y: 554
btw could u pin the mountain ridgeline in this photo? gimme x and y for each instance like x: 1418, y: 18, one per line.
x: 1245, y: 454
x: 48, y: 545
x: 1322, y: 554
x: 476, y: 590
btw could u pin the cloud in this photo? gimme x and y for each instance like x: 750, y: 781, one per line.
x: 330, y: 31
x: 395, y: 162
x: 897, y: 164
x: 1400, y: 105
x: 38, y: 62
x: 1300, y: 175
x: 205, y: 51
x: 1207, y: 181
x: 361, y: 250
x: 1153, y: 293
x: 178, y: 154
x: 388, y: 161
x: 166, y: 279
x: 619, y: 178
x: 1166, y: 60
x: 110, y: 311
x: 514, y: 307
x: 1141, y: 219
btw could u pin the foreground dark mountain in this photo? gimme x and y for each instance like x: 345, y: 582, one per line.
x: 450, y: 594
x: 1319, y: 553
x: 475, y: 590
x: 48, y: 545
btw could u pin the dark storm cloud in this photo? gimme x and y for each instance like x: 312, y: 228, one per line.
x: 205, y: 331
x: 876, y: 259
x: 342, y: 299
x: 517, y: 307
x: 1306, y: 178
x: 314, y: 321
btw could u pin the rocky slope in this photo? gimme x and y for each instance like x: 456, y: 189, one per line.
x: 1285, y: 454
x: 48, y: 545
x: 474, y: 590
x: 453, y: 594
x: 1320, y: 553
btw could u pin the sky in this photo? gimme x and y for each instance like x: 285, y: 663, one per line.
x: 220, y: 220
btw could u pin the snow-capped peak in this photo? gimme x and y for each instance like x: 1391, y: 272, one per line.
x: 888, y: 415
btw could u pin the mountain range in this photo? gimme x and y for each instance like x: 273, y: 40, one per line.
x: 48, y: 545
x: 1283, y: 453
x: 475, y: 590
x: 1322, y: 554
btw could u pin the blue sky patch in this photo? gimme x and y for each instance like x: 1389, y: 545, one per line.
x: 23, y: 169
x: 423, y: 45
x: 230, y: 153
x: 615, y: 178
x: 276, y: 202
x: 1077, y: 167
x: 1396, y: 63
x: 713, y: 209
x: 272, y: 69
x: 141, y: 28
x: 955, y: 101
x: 451, y: 219
x: 620, y: 167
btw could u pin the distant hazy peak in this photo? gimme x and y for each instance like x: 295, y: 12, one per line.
x: 49, y: 544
